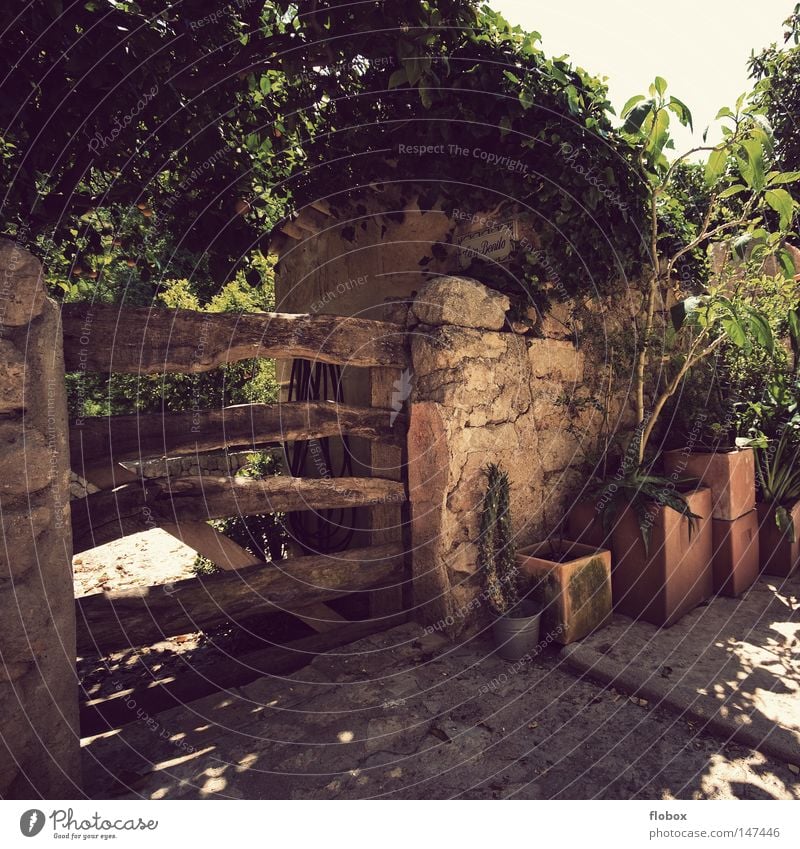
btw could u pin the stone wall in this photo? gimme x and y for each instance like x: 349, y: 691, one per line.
x: 39, y: 742
x: 483, y: 393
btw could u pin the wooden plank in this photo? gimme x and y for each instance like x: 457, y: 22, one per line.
x: 104, y: 516
x: 241, y: 426
x: 222, y: 551
x: 321, y: 617
x: 120, y: 708
x: 140, y: 340
x: 144, y: 615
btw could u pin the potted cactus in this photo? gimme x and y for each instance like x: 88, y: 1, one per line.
x: 516, y: 626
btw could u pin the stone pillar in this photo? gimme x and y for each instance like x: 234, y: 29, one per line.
x: 39, y: 737
x: 485, y: 394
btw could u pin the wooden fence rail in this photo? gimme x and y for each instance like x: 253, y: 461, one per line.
x: 115, y: 620
x: 140, y: 340
x: 241, y: 426
x: 133, y: 507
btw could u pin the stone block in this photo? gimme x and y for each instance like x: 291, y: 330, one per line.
x: 22, y: 292
x: 25, y: 460
x: 555, y: 359
x: 460, y: 301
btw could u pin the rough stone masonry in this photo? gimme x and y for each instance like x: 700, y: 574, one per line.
x: 485, y: 394
x: 39, y: 742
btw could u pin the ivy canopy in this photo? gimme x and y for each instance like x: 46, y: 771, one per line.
x: 141, y: 142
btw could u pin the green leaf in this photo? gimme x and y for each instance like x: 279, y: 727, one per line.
x: 630, y: 103
x: 660, y: 85
x: 752, y: 169
x: 731, y: 191
x: 786, y: 261
x: 398, y: 78
x: 760, y: 330
x: 735, y: 332
x: 715, y: 167
x: 682, y: 111
x: 781, y: 201
x: 637, y: 117
x: 514, y: 79
x: 784, y: 177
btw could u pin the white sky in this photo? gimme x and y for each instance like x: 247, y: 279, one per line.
x: 700, y: 47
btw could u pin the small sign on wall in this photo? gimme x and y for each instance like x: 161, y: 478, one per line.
x: 491, y: 242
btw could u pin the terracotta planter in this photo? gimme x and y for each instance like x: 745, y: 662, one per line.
x: 585, y: 526
x: 735, y: 558
x: 779, y: 556
x: 676, y: 575
x: 575, y: 594
x: 730, y: 475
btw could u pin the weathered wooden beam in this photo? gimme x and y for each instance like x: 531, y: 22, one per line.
x: 105, y: 516
x: 145, y: 615
x: 222, y: 551
x: 241, y: 426
x: 140, y: 340
x: 106, y: 713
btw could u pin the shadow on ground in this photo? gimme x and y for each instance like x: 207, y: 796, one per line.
x: 408, y: 715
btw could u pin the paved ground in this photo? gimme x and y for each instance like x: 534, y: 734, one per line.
x: 745, y: 683
x: 407, y: 715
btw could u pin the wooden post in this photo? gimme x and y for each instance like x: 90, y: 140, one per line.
x: 389, y: 389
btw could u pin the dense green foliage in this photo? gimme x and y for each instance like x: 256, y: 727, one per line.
x: 778, y: 70
x: 143, y: 143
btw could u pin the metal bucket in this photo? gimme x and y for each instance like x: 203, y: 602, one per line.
x: 518, y: 634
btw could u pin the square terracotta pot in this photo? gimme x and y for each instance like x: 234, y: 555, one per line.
x: 730, y: 475
x: 735, y: 559
x: 585, y: 526
x: 778, y: 556
x: 575, y: 594
x: 675, y: 575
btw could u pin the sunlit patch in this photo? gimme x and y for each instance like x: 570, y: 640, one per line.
x: 246, y: 762
x: 214, y: 785
x: 345, y: 736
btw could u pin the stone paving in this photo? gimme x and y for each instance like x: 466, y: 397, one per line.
x: 405, y: 714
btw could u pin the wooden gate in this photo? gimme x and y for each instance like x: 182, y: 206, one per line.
x: 108, y: 340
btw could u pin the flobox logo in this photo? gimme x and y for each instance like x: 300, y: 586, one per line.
x: 31, y: 822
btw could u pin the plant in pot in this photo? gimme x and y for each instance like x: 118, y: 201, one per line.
x: 516, y: 626
x: 778, y: 467
x: 572, y: 582
x: 661, y: 581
